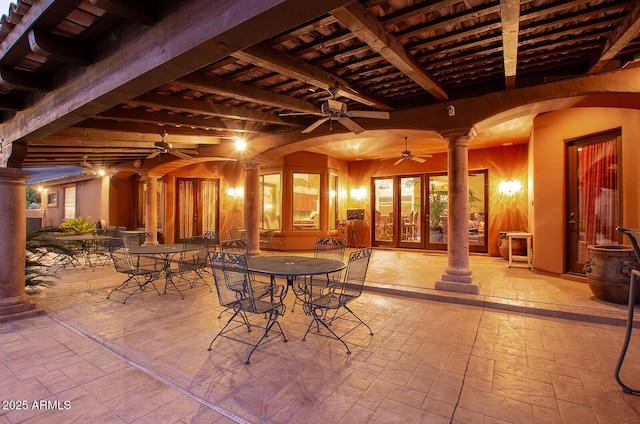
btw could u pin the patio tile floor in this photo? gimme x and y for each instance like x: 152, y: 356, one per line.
x: 529, y: 348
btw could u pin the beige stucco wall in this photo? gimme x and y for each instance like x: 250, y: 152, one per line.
x: 547, y: 160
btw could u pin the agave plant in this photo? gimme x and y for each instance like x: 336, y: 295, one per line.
x: 79, y: 225
x: 41, y: 245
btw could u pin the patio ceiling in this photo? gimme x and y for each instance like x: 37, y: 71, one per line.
x: 98, y: 81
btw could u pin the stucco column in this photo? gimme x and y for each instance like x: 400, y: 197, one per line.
x: 151, y: 208
x: 14, y: 303
x: 251, y: 206
x: 104, y: 198
x: 458, y: 276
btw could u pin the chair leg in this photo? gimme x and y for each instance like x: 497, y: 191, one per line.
x: 169, y: 280
x: 316, y: 320
x: 223, y: 328
x: 358, y: 318
x: 273, y: 319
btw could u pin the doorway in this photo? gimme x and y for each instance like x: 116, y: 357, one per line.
x: 197, y: 203
x: 593, y: 196
x: 410, y: 211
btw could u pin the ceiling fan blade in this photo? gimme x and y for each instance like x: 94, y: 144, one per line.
x: 314, y: 125
x: 374, y: 114
x: 153, y: 155
x: 179, y: 154
x: 399, y: 160
x: 294, y: 114
x: 417, y: 159
x: 351, y: 125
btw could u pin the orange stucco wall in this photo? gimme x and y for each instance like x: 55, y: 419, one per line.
x: 550, y: 131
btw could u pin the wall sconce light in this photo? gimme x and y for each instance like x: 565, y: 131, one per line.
x: 509, y: 187
x: 235, y: 192
x: 359, y: 193
x: 40, y: 189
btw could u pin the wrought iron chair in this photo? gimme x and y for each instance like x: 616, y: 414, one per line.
x: 328, y: 248
x: 236, y: 293
x: 634, y: 237
x: 236, y: 233
x: 196, y: 261
x: 242, y: 247
x: 266, y: 237
x: 235, y: 246
x: 140, y: 269
x: 320, y: 303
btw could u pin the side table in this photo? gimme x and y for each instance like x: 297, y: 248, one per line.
x: 529, y: 257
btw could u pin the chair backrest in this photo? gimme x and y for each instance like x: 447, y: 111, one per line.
x: 235, y: 246
x: 213, y: 237
x: 133, y: 240
x: 266, y: 236
x: 196, y: 258
x: 356, y: 272
x: 330, y: 248
x: 230, y: 276
x: 119, y: 255
x: 236, y: 233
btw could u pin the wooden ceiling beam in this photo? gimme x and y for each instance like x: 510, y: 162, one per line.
x: 137, y: 115
x: 510, y: 15
x: 204, y: 107
x: 61, y: 49
x: 143, y: 11
x: 368, y: 29
x: 112, y: 125
x: 267, y: 57
x: 222, y: 87
x: 23, y: 80
x: 624, y: 34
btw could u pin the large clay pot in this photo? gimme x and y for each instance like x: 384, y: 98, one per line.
x: 608, y: 271
x: 518, y: 246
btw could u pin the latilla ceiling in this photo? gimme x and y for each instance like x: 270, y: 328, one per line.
x: 381, y: 55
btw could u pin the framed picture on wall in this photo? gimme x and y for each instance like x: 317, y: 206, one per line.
x: 52, y: 200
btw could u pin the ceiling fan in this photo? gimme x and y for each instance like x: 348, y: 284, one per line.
x: 334, y: 110
x: 406, y: 154
x: 163, y: 147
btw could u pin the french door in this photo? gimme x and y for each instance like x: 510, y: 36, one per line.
x: 593, y: 196
x: 411, y: 211
x: 398, y: 211
x: 196, y: 207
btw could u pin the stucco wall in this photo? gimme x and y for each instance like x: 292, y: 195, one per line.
x: 548, y: 169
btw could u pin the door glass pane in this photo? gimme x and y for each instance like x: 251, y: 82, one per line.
x: 306, y: 201
x: 438, y: 204
x: 209, y: 189
x: 411, y: 188
x: 598, y: 195
x: 383, y: 194
x: 477, y: 206
x: 333, y: 202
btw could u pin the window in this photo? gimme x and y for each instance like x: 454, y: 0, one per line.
x: 270, y: 201
x: 333, y: 202
x: 69, y: 202
x: 306, y: 201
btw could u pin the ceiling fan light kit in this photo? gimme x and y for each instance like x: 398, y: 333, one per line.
x: 334, y: 110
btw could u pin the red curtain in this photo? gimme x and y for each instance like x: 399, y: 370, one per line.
x: 598, y: 194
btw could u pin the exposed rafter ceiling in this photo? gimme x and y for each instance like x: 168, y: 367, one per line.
x: 104, y: 78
